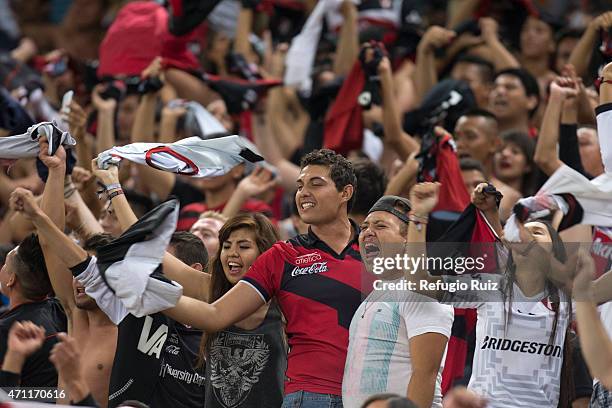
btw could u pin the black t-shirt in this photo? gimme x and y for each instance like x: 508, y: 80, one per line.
x: 37, y: 371
x: 154, y: 363
x: 246, y: 368
x: 180, y: 383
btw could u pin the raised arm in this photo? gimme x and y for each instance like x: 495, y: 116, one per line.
x: 105, y: 134
x: 265, y: 141
x: 242, y: 43
x: 583, y: 51
x: 425, y: 74
x: 258, y: 182
x: 395, y: 136
x: 546, y: 156
x: 195, y: 283
x: 23, y: 201
x: 76, y: 121
x: 348, y: 41
x: 167, y: 126
x: 499, y: 55
x: 404, y: 178
x: 156, y: 181
x: 423, y: 197
x: 52, y: 205
x: 460, y: 11
x: 595, y: 343
x: 240, y: 302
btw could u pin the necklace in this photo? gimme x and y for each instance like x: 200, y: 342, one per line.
x: 369, y: 303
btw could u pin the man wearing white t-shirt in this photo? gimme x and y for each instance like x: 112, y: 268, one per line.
x: 397, y: 340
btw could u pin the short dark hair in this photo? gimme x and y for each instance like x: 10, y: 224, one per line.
x: 480, y: 113
x: 468, y: 163
x: 31, y: 270
x: 530, y: 84
x: 189, y: 248
x: 93, y: 242
x: 487, y: 69
x: 340, y: 169
x: 371, y: 185
x: 378, y: 397
x: 567, y: 33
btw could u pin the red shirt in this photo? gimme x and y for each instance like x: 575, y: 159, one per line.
x: 318, y: 292
x: 191, y: 212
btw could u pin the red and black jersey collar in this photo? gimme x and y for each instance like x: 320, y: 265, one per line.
x: 313, y: 241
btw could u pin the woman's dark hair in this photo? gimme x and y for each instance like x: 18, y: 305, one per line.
x: 265, y: 236
x: 527, y: 147
x: 554, y: 296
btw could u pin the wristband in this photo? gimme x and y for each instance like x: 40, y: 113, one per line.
x: 600, y: 81
x: 114, y: 194
x: 418, y: 218
x: 113, y: 186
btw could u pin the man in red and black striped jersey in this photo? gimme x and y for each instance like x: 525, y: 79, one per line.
x: 317, y: 278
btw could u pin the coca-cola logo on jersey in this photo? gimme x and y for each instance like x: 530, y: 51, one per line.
x: 316, y: 267
x: 308, y: 258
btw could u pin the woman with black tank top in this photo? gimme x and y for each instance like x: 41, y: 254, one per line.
x: 245, y: 363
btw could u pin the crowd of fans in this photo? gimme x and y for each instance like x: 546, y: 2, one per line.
x: 195, y: 195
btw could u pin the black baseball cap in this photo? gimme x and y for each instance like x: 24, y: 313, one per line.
x: 390, y: 204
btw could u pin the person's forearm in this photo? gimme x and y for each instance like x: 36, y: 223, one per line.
x: 348, y: 44
x: 88, y: 223
x: 421, y: 388
x: 195, y: 313
x: 416, y: 248
x: 234, y: 204
x: 401, y: 181
x: 583, y: 51
x: 501, y: 57
x: 167, y: 128
x: 394, y: 134
x: 461, y: 11
x: 602, y: 289
x: 196, y: 284
x: 52, y: 202
x: 283, y: 133
x: 83, y: 153
x: 123, y: 212
x: 425, y: 75
x: 242, y: 45
x: 595, y: 343
x: 144, y: 120
x: 546, y: 148
x: 105, y: 135
x: 155, y: 181
x: 270, y: 150
x: 58, y: 242
x: 13, y: 362
x: 189, y: 87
